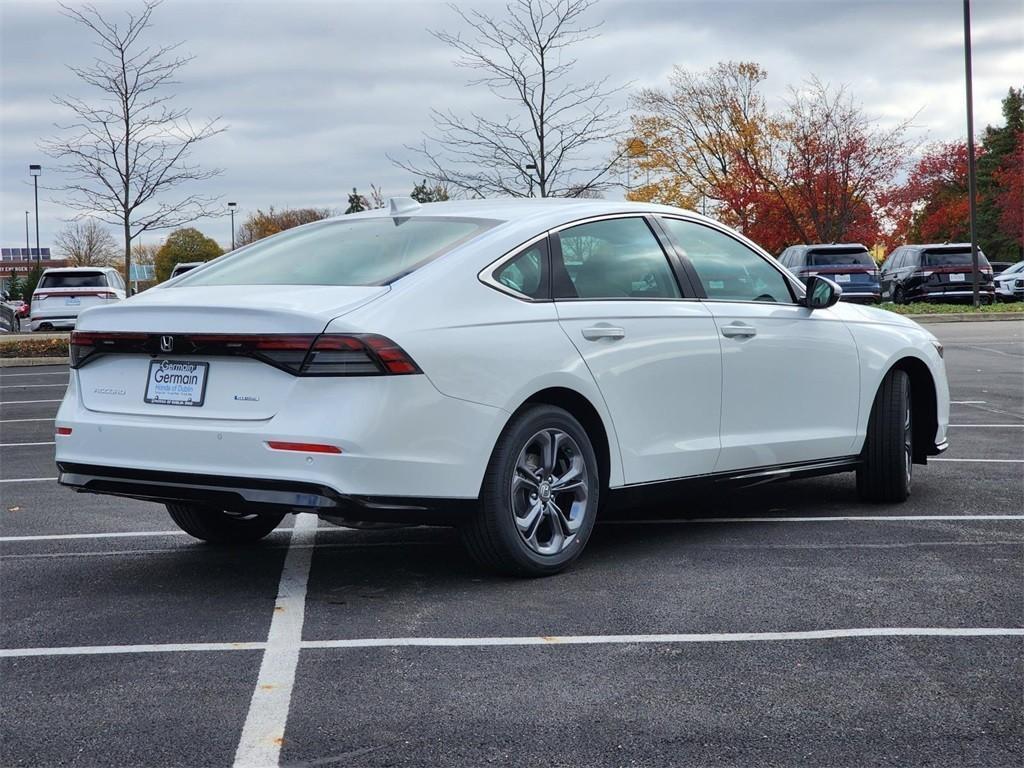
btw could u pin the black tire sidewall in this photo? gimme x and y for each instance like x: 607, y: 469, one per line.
x: 218, y: 527
x: 496, y: 502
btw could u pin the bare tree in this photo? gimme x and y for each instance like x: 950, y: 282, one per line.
x: 87, y: 243
x: 550, y: 143
x: 127, y: 147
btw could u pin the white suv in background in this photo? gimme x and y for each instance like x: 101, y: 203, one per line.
x: 62, y: 293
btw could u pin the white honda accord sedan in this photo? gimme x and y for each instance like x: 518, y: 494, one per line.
x: 508, y: 367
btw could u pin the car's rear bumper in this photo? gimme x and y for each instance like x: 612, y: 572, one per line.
x: 862, y: 297
x: 397, y: 436
x: 55, y: 321
x: 958, y: 293
x: 248, y: 494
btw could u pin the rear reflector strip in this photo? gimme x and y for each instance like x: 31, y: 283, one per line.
x: 277, y: 445
x: 63, y: 430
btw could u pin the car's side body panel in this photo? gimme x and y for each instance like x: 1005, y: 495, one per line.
x: 791, y: 392
x: 661, y: 380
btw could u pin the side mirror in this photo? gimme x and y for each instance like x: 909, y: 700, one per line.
x: 821, y: 293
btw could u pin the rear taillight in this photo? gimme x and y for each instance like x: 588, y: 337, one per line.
x: 86, y: 344
x: 301, y: 355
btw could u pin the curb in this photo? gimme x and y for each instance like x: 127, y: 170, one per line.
x: 967, y: 317
x: 14, y: 362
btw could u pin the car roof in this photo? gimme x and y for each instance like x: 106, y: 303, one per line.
x: 542, y: 212
x: 842, y: 247
x: 77, y: 269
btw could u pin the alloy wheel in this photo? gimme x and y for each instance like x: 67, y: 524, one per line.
x: 549, y: 491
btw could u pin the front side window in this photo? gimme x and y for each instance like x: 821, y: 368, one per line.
x: 527, y: 273
x: 728, y: 270
x: 613, y: 259
x: 338, y: 252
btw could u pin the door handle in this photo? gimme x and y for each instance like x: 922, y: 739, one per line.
x: 738, y: 331
x: 603, y: 332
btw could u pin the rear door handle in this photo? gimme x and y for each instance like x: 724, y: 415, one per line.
x: 603, y: 332
x: 738, y: 331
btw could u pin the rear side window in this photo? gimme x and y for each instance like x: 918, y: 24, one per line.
x: 834, y: 257
x: 613, y: 259
x: 527, y: 273
x: 74, y: 280
x: 952, y: 259
x: 338, y: 252
x: 728, y: 270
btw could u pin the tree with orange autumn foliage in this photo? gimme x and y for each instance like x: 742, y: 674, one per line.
x: 816, y: 171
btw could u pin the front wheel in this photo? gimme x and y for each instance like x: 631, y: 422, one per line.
x: 539, y: 496
x: 887, y: 462
x: 218, y: 527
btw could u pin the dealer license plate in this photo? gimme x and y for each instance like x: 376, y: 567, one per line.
x: 176, y: 382
x: 842, y: 278
x: 957, y: 277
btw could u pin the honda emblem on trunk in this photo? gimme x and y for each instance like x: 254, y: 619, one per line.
x: 166, y: 343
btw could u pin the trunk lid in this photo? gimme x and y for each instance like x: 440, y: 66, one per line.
x: 237, y: 388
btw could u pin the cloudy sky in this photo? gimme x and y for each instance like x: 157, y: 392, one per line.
x: 316, y: 94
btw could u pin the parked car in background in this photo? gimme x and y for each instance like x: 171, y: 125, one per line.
x: 850, y: 265
x: 934, y: 272
x: 62, y: 293
x: 9, y: 320
x: 998, y: 267
x: 503, y: 366
x: 183, y: 267
x: 1009, y: 283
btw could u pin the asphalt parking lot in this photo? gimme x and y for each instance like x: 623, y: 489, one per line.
x: 125, y: 643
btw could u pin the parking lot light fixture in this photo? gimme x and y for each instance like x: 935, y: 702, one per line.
x: 231, y: 207
x: 35, y: 171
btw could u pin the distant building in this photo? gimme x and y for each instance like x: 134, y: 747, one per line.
x: 22, y: 260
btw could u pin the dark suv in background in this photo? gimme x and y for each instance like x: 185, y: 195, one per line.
x: 849, y: 264
x: 934, y: 272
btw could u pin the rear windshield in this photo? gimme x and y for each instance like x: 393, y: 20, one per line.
x: 74, y: 280
x: 952, y: 259
x: 837, y: 258
x: 358, y: 252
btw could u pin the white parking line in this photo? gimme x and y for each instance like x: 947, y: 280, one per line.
x: 26, y: 402
x: 13, y: 445
x: 29, y: 480
x: 41, y: 373
x: 834, y: 519
x: 984, y: 461
x: 989, y: 426
x: 98, y: 650
x: 688, y: 521
x: 526, y: 640
x: 967, y: 402
x: 13, y: 421
x: 27, y: 386
x: 263, y: 732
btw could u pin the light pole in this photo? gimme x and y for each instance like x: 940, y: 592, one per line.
x: 28, y: 248
x: 972, y: 184
x: 231, y: 207
x: 34, y: 172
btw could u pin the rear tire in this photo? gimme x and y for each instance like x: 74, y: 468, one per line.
x: 886, y: 469
x: 218, y: 527
x: 898, y: 296
x: 539, y: 496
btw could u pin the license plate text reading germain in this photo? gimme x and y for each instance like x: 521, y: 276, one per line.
x: 176, y: 382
